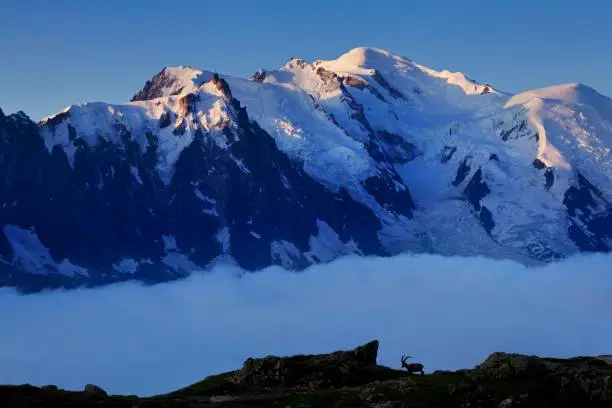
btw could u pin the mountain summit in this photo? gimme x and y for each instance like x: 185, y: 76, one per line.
x: 370, y: 153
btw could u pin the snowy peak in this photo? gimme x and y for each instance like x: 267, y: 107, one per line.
x: 172, y: 81
x: 167, y: 124
x: 574, y: 127
x: 368, y: 58
x: 386, y: 76
x: 574, y: 93
x: 182, y: 80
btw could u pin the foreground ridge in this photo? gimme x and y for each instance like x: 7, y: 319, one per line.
x: 354, y: 379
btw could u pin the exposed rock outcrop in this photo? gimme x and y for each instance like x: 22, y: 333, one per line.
x: 94, y: 390
x: 342, y: 368
x: 504, y: 366
x: 259, y: 76
x: 154, y: 88
x: 221, y: 85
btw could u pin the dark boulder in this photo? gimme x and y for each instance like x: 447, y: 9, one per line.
x: 337, y: 369
x: 94, y: 390
x: 502, y: 366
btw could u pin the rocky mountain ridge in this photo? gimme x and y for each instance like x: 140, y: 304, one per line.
x: 353, y: 379
x: 370, y: 153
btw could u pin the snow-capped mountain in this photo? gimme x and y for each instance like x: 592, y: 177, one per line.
x: 370, y: 153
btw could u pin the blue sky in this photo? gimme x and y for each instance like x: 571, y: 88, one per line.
x: 59, y: 52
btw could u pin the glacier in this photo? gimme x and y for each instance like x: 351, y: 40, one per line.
x: 369, y: 154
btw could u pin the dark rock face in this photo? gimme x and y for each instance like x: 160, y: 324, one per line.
x: 386, y: 147
x: 377, y: 76
x: 390, y: 192
x: 581, y: 197
x: 22, y: 154
x: 475, y: 191
x: 590, y: 216
x: 358, y: 113
x: 549, y: 176
x: 93, y: 214
x: 462, y: 171
x: 486, y: 219
x: 111, y: 204
x: 517, y: 131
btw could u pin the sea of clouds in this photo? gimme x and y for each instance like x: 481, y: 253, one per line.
x: 447, y: 312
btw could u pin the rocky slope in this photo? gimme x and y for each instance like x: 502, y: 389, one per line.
x: 353, y: 379
x: 370, y: 153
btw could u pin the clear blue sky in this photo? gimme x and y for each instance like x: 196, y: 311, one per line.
x: 54, y: 53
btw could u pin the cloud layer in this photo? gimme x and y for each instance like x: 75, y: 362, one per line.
x: 446, y: 312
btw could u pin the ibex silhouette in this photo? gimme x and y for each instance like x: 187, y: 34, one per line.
x: 412, y: 367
